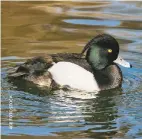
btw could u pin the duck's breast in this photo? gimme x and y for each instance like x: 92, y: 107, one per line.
x: 67, y: 73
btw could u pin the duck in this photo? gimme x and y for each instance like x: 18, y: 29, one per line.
x: 96, y: 70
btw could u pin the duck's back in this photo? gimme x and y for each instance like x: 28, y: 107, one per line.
x: 37, y: 66
x: 73, y: 58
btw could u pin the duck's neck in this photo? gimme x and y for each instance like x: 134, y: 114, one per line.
x: 109, y: 77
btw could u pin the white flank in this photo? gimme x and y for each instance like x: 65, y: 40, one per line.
x: 67, y: 73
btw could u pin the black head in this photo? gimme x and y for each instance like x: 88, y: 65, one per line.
x: 102, y: 50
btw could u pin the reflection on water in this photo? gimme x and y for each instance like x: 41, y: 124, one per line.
x: 35, y: 28
x: 93, y: 22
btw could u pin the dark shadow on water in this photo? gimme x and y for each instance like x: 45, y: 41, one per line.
x: 26, y: 86
x: 103, y: 109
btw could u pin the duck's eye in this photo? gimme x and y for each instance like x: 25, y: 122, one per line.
x: 109, y: 50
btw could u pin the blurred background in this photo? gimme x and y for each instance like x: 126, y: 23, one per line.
x: 36, y: 28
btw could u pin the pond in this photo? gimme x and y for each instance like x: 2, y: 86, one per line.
x: 35, y: 28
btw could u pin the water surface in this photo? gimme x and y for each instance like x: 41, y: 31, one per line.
x: 36, y: 28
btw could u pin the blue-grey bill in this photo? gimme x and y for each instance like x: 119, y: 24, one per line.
x: 122, y: 62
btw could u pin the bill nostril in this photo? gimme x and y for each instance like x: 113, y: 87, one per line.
x: 131, y: 66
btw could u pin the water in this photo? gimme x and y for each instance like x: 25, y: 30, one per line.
x: 35, y: 28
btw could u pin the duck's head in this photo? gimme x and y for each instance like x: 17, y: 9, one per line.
x: 102, y: 51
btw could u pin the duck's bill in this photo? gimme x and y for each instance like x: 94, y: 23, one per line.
x: 123, y: 62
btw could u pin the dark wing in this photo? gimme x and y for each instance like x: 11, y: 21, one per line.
x: 39, y: 65
x: 73, y: 58
x: 35, y: 66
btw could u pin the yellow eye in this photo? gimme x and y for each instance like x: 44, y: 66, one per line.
x: 109, y: 50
